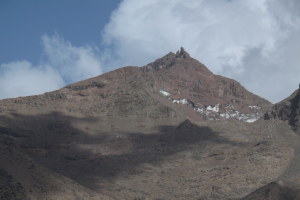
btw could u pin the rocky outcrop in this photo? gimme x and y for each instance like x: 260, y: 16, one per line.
x: 86, y: 86
x: 287, y: 110
x: 169, y: 60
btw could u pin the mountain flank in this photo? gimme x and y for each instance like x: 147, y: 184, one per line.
x: 168, y: 130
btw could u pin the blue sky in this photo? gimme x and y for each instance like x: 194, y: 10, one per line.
x: 22, y: 23
x: 48, y: 44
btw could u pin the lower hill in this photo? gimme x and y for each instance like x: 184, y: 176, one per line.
x: 56, y: 156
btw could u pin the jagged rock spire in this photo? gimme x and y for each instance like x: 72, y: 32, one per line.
x: 182, y: 53
x: 169, y: 59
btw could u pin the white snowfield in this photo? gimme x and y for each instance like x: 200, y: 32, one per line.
x: 212, y: 112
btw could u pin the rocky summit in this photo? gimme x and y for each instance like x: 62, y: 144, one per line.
x: 168, y: 130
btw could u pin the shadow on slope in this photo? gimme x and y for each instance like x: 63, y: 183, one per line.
x: 9, y: 188
x: 53, y: 141
x: 274, y: 191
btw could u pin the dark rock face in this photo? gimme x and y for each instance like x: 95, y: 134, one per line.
x: 170, y: 59
x: 84, y: 87
x: 287, y: 110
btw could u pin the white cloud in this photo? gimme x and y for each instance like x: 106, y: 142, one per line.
x: 20, y: 78
x: 73, y: 63
x: 64, y: 63
x: 255, y: 42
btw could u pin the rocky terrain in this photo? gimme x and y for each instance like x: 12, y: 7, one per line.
x: 287, y: 186
x: 168, y: 130
x: 287, y: 110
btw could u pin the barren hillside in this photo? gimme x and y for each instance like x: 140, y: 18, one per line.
x: 168, y: 130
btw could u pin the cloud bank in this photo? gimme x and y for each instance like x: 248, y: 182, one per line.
x: 254, y: 42
x: 63, y: 63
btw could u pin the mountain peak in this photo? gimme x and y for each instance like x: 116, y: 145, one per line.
x: 182, y: 53
x: 170, y: 59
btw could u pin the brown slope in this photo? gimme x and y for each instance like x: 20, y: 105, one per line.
x: 117, y: 135
x: 23, y: 178
x: 215, y: 160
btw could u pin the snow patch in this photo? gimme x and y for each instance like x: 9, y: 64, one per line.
x: 251, y: 120
x: 164, y: 93
x: 213, y: 112
x: 200, y: 110
x: 182, y: 101
x: 255, y: 107
x: 225, y: 115
x: 214, y: 109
